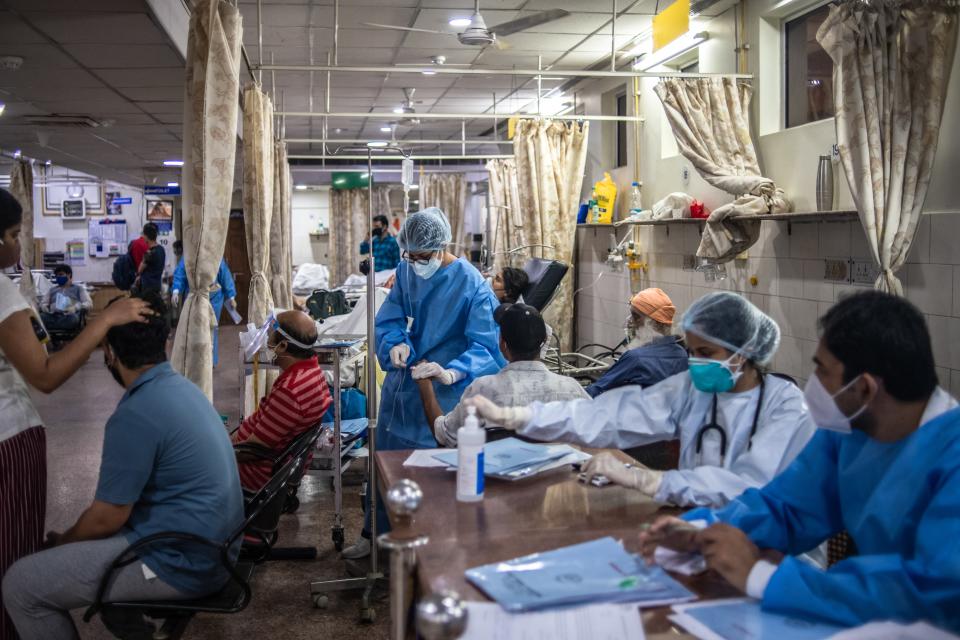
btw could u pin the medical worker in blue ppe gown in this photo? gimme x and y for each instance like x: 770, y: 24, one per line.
x: 738, y: 426
x: 223, y: 289
x: 436, y: 323
x: 884, y: 467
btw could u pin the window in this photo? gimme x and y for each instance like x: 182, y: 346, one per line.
x: 622, y: 131
x: 809, y: 70
x: 693, y: 67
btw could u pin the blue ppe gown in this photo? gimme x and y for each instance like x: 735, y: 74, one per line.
x: 644, y: 366
x: 899, y: 501
x: 225, y: 290
x: 452, y: 324
x: 450, y: 319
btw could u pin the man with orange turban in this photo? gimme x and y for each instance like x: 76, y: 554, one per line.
x: 653, y: 352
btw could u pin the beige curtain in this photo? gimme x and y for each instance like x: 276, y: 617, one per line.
x: 507, y: 224
x: 281, y: 268
x: 258, y: 179
x: 550, y: 159
x: 449, y: 192
x: 209, y: 153
x: 892, y: 62
x: 21, y: 187
x: 710, y: 118
x: 348, y: 228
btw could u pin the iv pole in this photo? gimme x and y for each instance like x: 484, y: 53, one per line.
x: 319, y: 589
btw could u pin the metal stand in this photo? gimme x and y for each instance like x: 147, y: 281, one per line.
x: 320, y: 589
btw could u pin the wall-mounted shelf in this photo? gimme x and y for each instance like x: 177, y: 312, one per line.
x: 796, y: 216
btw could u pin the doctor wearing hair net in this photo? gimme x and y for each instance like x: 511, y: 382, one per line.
x: 738, y: 425
x: 437, y: 323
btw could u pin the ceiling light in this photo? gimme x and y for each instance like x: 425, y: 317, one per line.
x: 17, y: 153
x: 414, y: 186
x: 173, y: 184
x: 395, y: 110
x: 387, y: 129
x: 173, y: 163
x: 49, y: 163
x: 301, y: 187
x: 2, y: 108
x: 377, y: 143
x: 460, y: 22
x: 681, y: 45
x: 338, y: 130
x: 429, y: 73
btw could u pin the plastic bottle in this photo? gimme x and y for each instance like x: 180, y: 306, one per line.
x: 635, y: 205
x: 470, y: 441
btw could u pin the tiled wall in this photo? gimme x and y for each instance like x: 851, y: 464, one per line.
x: 788, y: 262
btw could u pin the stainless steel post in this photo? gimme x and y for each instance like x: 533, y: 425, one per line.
x: 260, y: 40
x: 371, y: 372
x: 613, y: 38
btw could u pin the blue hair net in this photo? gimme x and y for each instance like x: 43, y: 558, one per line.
x: 731, y: 321
x: 427, y: 230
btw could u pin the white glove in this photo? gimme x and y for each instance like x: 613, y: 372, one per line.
x: 434, y: 370
x: 635, y: 475
x: 175, y: 298
x: 511, y: 418
x: 399, y: 355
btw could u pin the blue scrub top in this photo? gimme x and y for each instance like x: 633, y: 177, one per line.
x: 451, y: 323
x: 899, y: 501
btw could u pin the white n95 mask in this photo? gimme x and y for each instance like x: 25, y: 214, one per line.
x: 426, y: 271
x: 823, y: 406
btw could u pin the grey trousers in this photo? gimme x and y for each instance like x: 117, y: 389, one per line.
x: 40, y: 590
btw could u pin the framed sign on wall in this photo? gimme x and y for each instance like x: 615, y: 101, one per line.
x: 73, y: 209
x: 59, y: 184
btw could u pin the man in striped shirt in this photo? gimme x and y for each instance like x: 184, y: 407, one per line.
x: 296, y: 402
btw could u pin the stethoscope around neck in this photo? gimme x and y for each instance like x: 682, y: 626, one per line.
x: 713, y: 425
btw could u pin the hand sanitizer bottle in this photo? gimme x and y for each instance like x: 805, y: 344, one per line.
x: 470, y: 441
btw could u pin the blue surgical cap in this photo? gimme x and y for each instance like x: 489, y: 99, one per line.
x: 427, y: 230
x: 731, y: 321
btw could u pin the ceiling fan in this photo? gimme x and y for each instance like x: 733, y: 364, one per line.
x: 407, y: 109
x: 478, y: 35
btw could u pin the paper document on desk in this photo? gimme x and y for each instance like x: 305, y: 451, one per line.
x: 894, y: 631
x: 425, y: 458
x: 743, y: 619
x: 487, y: 620
x: 511, y: 455
x: 591, y: 572
x: 686, y: 564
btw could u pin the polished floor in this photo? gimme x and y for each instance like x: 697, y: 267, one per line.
x: 281, y: 607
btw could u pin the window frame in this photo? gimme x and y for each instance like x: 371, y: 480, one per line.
x: 801, y: 12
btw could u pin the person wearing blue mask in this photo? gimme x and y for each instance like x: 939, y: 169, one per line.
x: 65, y: 301
x: 224, y: 289
x: 884, y: 467
x: 437, y: 323
x: 738, y: 426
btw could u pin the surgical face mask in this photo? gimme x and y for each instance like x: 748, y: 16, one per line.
x: 62, y: 280
x: 714, y: 376
x: 377, y: 232
x: 823, y: 406
x: 427, y: 270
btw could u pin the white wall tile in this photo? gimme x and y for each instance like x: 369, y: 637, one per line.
x: 814, y: 286
x: 789, y: 357
x: 841, y: 290
x: 790, y: 274
x: 802, y: 318
x: 766, y: 271
x: 759, y: 301
x: 804, y: 240
x: 944, y: 231
x: 835, y: 239
x: 930, y: 287
x: 939, y: 336
x: 954, y: 383
x: 952, y: 344
x: 858, y: 242
x: 956, y: 291
x: 920, y: 247
x: 807, y: 350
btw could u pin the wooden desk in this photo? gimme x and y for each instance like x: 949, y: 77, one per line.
x: 517, y: 518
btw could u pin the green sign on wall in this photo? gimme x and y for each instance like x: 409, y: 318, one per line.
x: 350, y: 179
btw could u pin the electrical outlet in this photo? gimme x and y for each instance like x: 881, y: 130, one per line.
x: 835, y: 270
x: 685, y: 174
x: 863, y: 272
x: 689, y: 263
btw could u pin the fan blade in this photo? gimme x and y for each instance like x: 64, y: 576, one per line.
x: 396, y: 28
x: 528, y: 22
x: 501, y: 44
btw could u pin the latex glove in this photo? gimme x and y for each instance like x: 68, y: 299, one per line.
x: 511, y: 418
x: 433, y: 370
x: 635, y: 476
x: 175, y: 298
x: 399, y: 355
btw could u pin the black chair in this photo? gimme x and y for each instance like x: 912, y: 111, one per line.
x: 545, y: 277
x: 59, y: 337
x: 233, y: 597
x: 265, y: 527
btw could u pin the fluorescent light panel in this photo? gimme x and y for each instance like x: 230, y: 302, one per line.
x: 681, y: 45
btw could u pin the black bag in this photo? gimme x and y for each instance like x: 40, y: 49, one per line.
x: 322, y: 304
x: 124, y: 273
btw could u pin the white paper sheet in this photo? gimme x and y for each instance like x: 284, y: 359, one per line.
x: 424, y: 458
x: 687, y: 564
x: 894, y: 631
x: 488, y: 620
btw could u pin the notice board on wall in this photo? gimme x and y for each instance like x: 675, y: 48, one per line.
x: 107, y: 238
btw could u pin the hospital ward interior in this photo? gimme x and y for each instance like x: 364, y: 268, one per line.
x: 479, y: 319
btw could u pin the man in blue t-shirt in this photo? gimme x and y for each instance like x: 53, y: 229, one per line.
x: 167, y: 465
